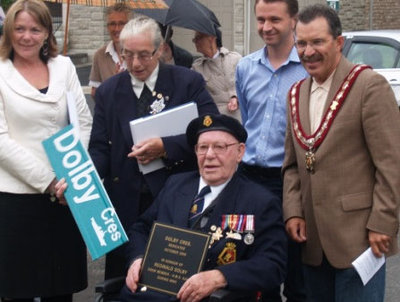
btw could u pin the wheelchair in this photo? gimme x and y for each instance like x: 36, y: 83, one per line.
x: 108, y: 291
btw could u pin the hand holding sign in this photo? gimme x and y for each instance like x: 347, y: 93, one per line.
x: 86, y: 196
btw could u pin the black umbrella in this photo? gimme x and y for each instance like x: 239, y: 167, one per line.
x: 189, y: 14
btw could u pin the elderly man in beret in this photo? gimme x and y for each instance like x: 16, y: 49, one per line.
x: 258, y: 246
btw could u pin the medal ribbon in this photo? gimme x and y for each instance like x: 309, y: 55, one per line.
x: 224, y: 222
x: 250, y: 224
x: 313, y: 141
x: 233, y: 222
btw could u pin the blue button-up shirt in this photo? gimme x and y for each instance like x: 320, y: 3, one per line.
x: 262, y: 93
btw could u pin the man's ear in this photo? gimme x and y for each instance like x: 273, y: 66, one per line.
x: 242, y: 149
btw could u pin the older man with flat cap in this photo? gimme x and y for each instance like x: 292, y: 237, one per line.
x: 244, y: 213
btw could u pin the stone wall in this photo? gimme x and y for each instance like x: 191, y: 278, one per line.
x: 87, y: 29
x: 355, y: 14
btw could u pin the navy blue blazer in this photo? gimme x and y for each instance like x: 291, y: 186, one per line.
x: 111, y: 139
x: 259, y: 266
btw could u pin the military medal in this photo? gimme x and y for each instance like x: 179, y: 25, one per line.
x: 310, y: 143
x: 249, y: 237
x: 159, y: 103
x: 216, y: 234
x: 232, y: 222
x: 157, y: 106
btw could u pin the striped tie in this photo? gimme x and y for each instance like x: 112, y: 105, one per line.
x: 198, y: 204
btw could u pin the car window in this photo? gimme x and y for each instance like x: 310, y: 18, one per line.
x: 374, y: 54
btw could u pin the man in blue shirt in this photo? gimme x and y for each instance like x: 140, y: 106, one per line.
x: 263, y: 79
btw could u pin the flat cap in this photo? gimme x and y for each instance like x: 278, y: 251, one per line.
x: 214, y: 122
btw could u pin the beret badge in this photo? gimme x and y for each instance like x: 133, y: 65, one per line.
x: 207, y: 121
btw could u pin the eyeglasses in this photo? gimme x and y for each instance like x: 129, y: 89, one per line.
x: 218, y: 148
x: 115, y: 24
x: 315, y: 44
x: 141, y: 56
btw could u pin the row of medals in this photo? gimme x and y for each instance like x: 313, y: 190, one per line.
x: 217, y: 234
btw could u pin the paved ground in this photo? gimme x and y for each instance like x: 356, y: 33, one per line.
x: 96, y: 268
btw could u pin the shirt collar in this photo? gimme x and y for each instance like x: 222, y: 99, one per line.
x: 216, y: 55
x: 150, y: 81
x: 293, y: 57
x: 114, y: 55
x: 325, y: 85
x: 215, y: 190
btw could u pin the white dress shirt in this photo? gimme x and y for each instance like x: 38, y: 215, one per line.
x: 318, y: 98
x: 215, y: 190
x: 150, y: 82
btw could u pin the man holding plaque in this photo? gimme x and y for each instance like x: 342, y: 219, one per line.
x: 247, y: 250
x: 146, y: 87
x: 341, y: 167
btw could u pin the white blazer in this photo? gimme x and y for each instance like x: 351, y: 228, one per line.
x: 27, y: 117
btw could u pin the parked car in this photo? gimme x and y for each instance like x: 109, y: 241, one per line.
x: 378, y: 48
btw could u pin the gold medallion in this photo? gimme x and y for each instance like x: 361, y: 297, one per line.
x: 310, y: 161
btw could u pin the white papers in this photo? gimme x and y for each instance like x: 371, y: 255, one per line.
x: 166, y: 123
x: 72, y: 112
x: 367, y: 265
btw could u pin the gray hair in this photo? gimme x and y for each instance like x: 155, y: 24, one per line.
x: 140, y: 25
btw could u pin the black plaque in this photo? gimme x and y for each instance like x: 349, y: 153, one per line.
x: 172, y: 255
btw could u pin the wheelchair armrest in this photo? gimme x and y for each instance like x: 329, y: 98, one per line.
x: 110, y: 286
x: 224, y: 295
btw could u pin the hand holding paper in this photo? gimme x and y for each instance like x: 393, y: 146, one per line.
x: 148, y: 150
x: 367, y: 265
x: 379, y: 243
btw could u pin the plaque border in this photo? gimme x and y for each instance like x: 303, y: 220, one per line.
x: 176, y: 228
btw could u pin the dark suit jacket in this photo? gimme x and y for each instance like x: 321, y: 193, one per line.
x: 111, y: 139
x: 260, y: 266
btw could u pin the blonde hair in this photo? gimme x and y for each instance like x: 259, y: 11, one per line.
x: 39, y: 11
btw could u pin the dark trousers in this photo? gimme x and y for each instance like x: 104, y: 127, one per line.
x: 116, y: 264
x: 64, y: 298
x: 294, y: 290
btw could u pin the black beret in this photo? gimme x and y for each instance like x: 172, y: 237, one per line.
x: 214, y: 122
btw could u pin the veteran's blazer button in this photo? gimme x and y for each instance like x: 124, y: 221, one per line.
x: 116, y: 179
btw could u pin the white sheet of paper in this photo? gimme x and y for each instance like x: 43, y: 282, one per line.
x: 166, y: 123
x: 72, y: 112
x: 367, y: 265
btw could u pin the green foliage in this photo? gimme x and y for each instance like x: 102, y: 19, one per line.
x: 5, y: 4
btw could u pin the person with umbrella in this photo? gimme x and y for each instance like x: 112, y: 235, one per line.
x: 146, y: 87
x: 217, y: 66
x: 171, y: 53
x: 107, y: 60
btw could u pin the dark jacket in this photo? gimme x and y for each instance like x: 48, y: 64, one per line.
x: 258, y: 266
x: 111, y: 139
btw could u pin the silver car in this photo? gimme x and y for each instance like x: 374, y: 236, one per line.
x: 378, y: 48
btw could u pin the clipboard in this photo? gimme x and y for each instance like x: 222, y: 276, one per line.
x: 169, y: 122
